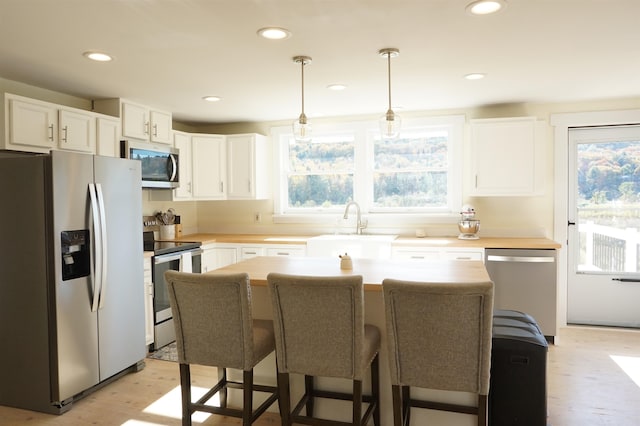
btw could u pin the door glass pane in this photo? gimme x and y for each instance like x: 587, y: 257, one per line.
x: 608, y: 206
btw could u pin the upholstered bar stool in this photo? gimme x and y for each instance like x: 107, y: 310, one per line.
x: 439, y: 337
x: 320, y: 332
x: 214, y: 327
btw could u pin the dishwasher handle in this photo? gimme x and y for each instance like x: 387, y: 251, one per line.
x: 522, y: 259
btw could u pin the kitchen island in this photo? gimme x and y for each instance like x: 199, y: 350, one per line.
x: 373, y: 272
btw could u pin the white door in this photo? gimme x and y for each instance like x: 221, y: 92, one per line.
x: 604, y: 226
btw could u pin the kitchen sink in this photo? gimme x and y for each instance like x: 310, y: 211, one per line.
x: 357, y: 246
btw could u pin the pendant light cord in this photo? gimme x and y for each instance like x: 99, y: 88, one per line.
x: 302, y: 62
x: 389, y: 76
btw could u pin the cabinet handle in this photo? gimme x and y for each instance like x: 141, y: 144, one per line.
x: 221, y: 187
x: 65, y: 130
x: 146, y: 128
x: 51, y: 132
x: 250, y: 252
x: 249, y: 185
x: 417, y: 257
x: 155, y: 130
x: 463, y: 258
x: 282, y: 253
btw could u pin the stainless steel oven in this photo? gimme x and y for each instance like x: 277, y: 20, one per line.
x: 187, y: 257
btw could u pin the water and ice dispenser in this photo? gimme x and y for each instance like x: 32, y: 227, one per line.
x: 76, y: 254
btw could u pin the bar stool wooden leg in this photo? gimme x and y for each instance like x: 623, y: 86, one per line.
x: 285, y: 399
x: 185, y: 386
x: 309, y: 390
x: 247, y: 391
x: 375, y: 389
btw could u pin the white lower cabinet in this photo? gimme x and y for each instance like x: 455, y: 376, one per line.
x: 285, y: 250
x: 216, y: 256
x: 437, y: 253
x: 148, y: 302
x: 249, y: 252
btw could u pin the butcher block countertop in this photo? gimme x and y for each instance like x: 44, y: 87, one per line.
x: 483, y: 242
x: 373, y: 271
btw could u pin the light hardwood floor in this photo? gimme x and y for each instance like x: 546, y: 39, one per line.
x: 586, y: 386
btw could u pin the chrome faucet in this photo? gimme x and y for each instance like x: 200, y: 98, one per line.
x: 360, y: 224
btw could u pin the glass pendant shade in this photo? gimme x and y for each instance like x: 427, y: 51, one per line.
x: 390, y: 122
x: 302, y: 127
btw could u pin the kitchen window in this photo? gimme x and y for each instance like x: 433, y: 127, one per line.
x: 419, y: 173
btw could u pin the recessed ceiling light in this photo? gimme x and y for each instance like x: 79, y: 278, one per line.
x: 475, y: 76
x: 336, y: 87
x: 98, y: 56
x: 274, y: 33
x: 212, y: 98
x: 485, y: 7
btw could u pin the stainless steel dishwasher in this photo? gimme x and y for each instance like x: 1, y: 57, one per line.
x: 525, y: 280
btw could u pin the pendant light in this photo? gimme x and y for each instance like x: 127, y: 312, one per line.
x: 301, y: 127
x: 390, y: 122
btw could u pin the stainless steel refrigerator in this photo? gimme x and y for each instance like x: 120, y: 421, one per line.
x: 71, y: 276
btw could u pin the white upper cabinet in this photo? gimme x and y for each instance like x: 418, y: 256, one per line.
x: 507, y: 157
x: 141, y: 122
x: 248, y: 161
x: 38, y: 126
x: 77, y: 130
x: 108, y: 136
x: 182, y: 141
x: 31, y: 125
x: 209, y: 167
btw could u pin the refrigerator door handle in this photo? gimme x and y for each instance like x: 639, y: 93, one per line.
x: 103, y: 241
x: 97, y: 264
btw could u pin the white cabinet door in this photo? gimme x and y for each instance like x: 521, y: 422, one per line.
x: 248, y: 160
x: 215, y: 256
x: 77, y: 131
x: 108, y: 137
x: 160, y: 126
x: 32, y: 124
x: 417, y: 253
x: 135, y: 121
x: 286, y: 251
x: 249, y: 252
x: 209, y: 171
x: 463, y: 254
x: 438, y: 253
x: 182, y: 141
x: 507, y: 156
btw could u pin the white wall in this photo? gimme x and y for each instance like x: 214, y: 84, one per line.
x: 499, y: 216
x: 514, y: 216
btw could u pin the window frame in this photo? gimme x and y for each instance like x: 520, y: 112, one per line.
x: 365, y: 133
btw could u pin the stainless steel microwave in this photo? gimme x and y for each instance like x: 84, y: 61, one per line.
x: 159, y: 163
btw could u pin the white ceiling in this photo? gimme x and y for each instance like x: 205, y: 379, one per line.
x: 171, y: 53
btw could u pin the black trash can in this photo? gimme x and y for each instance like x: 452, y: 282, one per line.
x: 518, y: 386
x: 502, y: 315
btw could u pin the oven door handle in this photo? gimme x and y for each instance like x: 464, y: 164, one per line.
x: 175, y: 256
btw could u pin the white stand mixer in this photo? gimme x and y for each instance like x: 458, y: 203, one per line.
x: 468, y: 225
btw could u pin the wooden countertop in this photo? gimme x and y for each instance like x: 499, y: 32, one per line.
x: 372, y: 271
x: 483, y: 242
